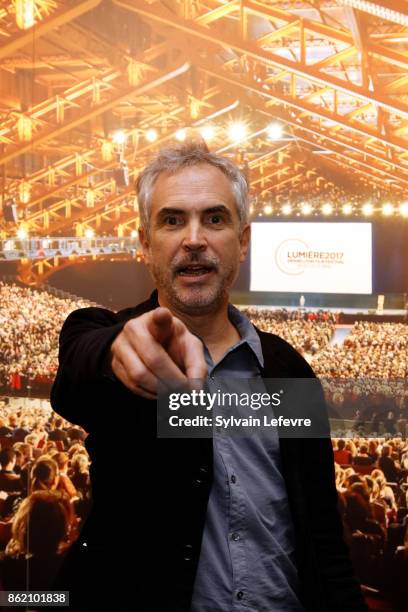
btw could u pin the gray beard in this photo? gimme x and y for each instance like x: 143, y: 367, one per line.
x: 196, y: 304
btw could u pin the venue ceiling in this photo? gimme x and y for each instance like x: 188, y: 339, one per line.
x: 311, y: 98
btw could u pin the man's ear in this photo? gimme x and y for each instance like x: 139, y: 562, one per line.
x: 244, y: 242
x: 144, y: 242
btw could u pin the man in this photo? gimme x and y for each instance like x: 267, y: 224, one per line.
x: 214, y: 525
x: 341, y: 455
x: 20, y: 432
x: 9, y: 480
x: 57, y: 434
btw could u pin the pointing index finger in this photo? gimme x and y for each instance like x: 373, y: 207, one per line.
x: 161, y: 325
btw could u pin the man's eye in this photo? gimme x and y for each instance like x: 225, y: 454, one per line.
x: 215, y: 219
x: 172, y: 220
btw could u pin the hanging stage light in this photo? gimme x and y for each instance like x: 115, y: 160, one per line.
x: 181, y: 134
x: 151, y: 135
x: 237, y: 131
x: 207, y: 132
x: 25, y: 13
x: 119, y: 137
x: 387, y: 209
x: 24, y: 128
x: 367, y: 209
x: 306, y: 208
x: 22, y: 233
x: 107, y: 150
x: 90, y: 198
x: 24, y: 192
x: 403, y: 209
x: 274, y: 131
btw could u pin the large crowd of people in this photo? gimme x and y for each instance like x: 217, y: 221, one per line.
x: 30, y: 321
x: 372, y: 483
x: 370, y: 350
x: 44, y: 475
x: 307, y: 331
x: 45, y: 493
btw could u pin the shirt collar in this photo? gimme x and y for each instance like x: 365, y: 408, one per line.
x: 246, y: 331
x: 244, y: 326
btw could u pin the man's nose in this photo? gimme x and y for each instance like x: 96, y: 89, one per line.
x: 194, y: 238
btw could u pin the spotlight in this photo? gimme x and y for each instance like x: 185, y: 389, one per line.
x: 327, y: 209
x: 151, y: 135
x: 306, y: 209
x: 89, y: 233
x: 90, y: 198
x: 119, y: 137
x: 404, y: 209
x: 22, y: 233
x: 237, y: 131
x: 107, y: 150
x: 347, y: 209
x: 387, y: 209
x: 368, y: 209
x: 24, y: 192
x: 207, y: 132
x: 133, y: 233
x: 25, y: 13
x: 274, y: 131
x: 267, y: 209
x: 286, y: 209
x: 181, y: 134
x: 25, y: 127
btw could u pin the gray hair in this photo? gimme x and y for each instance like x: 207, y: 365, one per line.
x: 184, y: 155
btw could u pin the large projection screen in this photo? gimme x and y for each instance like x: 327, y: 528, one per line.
x: 311, y: 257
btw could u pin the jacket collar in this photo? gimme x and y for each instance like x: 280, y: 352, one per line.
x: 153, y: 299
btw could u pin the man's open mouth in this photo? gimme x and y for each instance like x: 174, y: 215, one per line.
x: 194, y: 270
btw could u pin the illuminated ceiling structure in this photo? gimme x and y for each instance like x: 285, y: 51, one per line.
x: 320, y: 87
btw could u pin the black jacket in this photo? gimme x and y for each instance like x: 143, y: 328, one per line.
x: 168, y: 481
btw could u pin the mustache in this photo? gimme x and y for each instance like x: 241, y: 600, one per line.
x: 197, y: 260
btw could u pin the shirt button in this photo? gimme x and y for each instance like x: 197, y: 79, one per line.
x: 188, y: 550
x: 233, y: 479
x: 235, y: 536
x: 240, y: 595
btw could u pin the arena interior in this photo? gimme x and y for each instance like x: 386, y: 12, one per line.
x: 310, y: 99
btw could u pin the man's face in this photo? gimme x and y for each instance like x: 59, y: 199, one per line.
x: 194, y: 248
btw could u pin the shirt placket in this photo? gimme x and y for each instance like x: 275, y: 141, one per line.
x: 236, y: 509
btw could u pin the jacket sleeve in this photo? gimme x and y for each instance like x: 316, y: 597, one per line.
x: 84, y: 364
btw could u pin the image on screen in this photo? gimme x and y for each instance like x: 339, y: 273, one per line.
x: 311, y: 257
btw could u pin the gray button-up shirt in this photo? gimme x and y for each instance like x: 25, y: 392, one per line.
x: 247, y: 554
